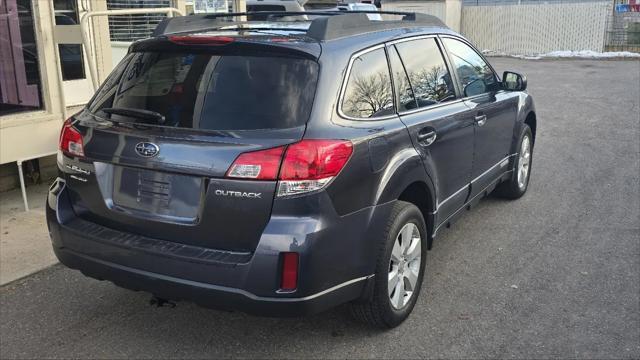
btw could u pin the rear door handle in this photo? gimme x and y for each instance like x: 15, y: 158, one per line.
x: 481, y: 119
x: 427, y: 138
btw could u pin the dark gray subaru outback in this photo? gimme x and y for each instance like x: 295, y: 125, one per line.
x: 283, y: 167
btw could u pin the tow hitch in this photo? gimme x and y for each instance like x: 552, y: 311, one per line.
x: 160, y: 302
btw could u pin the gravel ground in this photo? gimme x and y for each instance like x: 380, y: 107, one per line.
x: 554, y: 274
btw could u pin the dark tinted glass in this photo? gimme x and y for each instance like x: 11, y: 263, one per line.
x: 368, y: 93
x: 406, y: 100
x: 475, y: 75
x: 203, y: 91
x: 263, y: 8
x: 71, y: 61
x: 66, y: 12
x: 428, y: 73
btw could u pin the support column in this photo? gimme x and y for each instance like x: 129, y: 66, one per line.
x: 453, y: 14
x: 239, y: 6
x: 180, y: 5
x: 23, y: 187
x: 101, y: 41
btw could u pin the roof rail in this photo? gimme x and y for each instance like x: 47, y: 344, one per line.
x: 330, y: 25
x: 357, y: 22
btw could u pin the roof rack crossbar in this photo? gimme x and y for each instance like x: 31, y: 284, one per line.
x: 330, y: 25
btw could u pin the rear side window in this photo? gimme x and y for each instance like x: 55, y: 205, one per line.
x: 368, y: 91
x: 474, y: 74
x: 428, y: 74
x: 212, y: 92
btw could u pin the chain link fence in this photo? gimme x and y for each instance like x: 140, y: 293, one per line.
x: 523, y: 2
x: 623, y: 31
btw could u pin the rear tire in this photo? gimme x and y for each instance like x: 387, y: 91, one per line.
x: 519, y: 182
x: 399, y: 270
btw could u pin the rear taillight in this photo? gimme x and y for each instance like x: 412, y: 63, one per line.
x: 258, y: 165
x: 308, y: 165
x: 71, y: 142
x: 289, y: 280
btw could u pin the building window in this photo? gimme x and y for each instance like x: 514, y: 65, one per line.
x: 20, y: 84
x: 71, y: 56
x: 129, y: 28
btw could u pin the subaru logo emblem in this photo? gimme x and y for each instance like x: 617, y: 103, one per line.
x: 147, y: 149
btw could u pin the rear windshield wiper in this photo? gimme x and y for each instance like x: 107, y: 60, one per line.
x: 146, y: 116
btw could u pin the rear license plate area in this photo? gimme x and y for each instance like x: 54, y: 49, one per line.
x: 156, y: 194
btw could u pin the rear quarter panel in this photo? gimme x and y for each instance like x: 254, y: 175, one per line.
x: 384, y: 161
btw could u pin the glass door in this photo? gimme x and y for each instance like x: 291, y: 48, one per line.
x: 19, y: 62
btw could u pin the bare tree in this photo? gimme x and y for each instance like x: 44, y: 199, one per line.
x: 428, y: 83
x: 368, y: 95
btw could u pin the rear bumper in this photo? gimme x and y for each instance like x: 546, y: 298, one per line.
x: 229, y: 282
x: 209, y: 295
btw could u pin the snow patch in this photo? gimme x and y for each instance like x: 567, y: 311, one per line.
x: 592, y: 54
x: 583, y: 54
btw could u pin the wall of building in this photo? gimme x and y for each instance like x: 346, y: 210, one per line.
x: 537, y: 28
x: 46, y: 172
x: 436, y: 8
x: 623, y: 30
x: 32, y: 132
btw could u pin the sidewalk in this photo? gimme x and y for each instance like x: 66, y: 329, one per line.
x: 24, y: 240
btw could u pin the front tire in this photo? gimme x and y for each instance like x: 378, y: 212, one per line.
x: 399, y: 269
x: 519, y: 182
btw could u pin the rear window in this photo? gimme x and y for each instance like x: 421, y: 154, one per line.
x: 212, y: 92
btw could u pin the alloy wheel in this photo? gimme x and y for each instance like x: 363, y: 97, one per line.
x: 404, y: 267
x: 524, y: 163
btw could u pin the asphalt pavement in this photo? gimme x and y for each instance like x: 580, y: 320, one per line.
x: 554, y: 274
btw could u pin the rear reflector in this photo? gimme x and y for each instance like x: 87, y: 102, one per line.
x: 200, y: 40
x: 71, y: 142
x: 289, y: 271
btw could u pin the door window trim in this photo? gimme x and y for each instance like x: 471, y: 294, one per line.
x: 396, y: 97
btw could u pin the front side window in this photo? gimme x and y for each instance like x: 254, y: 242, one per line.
x: 428, y: 73
x: 211, y: 92
x: 368, y: 92
x: 474, y: 74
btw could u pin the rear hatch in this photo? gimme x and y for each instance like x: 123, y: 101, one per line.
x: 161, y: 134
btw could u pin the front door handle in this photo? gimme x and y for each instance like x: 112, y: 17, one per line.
x: 481, y: 119
x: 427, y: 138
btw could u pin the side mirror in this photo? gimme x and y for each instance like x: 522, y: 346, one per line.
x: 475, y: 87
x: 513, y: 81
